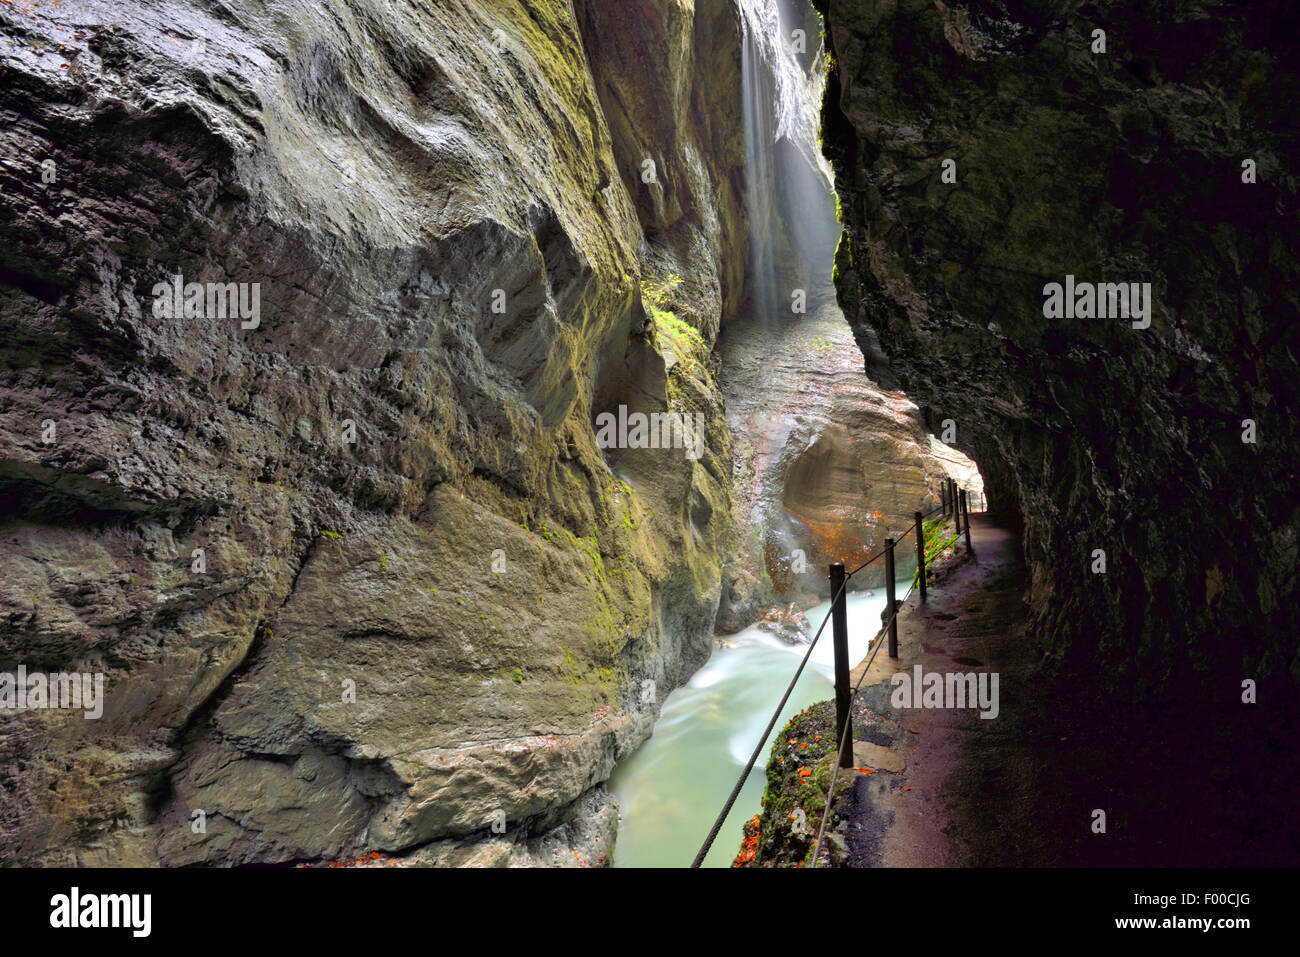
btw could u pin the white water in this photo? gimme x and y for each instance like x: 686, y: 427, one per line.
x: 673, y: 787
x: 760, y: 96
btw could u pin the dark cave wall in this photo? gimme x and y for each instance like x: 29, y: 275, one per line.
x: 1116, y: 166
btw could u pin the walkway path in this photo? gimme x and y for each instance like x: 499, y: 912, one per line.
x: 973, y: 611
x: 1182, y: 784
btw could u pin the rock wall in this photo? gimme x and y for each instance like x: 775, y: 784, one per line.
x: 354, y: 567
x: 828, y: 464
x: 1117, y: 166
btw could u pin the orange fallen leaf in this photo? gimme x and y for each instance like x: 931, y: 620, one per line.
x: 910, y: 731
x: 907, y: 789
x: 866, y: 770
x: 804, y: 772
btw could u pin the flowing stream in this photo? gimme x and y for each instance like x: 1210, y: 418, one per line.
x: 673, y: 787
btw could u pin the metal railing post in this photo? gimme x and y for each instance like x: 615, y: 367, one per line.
x: 920, y: 552
x: 891, y: 607
x: 840, y: 634
x: 965, y: 507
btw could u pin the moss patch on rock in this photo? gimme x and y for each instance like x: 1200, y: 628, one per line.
x: 799, y: 770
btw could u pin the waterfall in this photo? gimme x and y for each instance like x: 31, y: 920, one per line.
x: 758, y: 92
x: 788, y: 182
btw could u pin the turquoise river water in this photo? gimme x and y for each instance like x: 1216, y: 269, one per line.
x: 672, y: 788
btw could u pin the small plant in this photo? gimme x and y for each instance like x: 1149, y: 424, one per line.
x: 570, y: 667
x: 683, y: 338
x: 656, y: 295
x: 821, y: 345
x: 518, y: 676
x: 935, y: 545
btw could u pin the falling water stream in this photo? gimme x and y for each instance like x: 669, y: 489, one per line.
x: 673, y: 787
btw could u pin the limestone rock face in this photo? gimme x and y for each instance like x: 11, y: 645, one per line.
x: 1120, y: 166
x: 356, y: 571
x: 828, y: 464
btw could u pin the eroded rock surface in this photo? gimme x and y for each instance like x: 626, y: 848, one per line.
x: 1122, y: 166
x: 457, y: 614
x: 828, y: 463
x: 356, y: 570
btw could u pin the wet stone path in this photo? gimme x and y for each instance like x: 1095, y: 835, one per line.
x: 1181, y: 783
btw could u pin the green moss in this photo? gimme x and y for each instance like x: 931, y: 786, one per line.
x: 843, y: 251
x: 936, y: 543
x: 681, y: 337
x: 807, y: 741
x: 680, y: 333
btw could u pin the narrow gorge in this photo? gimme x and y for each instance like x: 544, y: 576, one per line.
x: 358, y: 574
x: 408, y: 403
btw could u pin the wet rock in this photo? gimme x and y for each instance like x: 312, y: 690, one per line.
x: 1123, y: 166
x: 788, y: 624
x: 412, y: 548
x: 828, y: 464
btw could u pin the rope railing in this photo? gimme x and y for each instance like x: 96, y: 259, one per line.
x: 951, y: 502
x: 758, y: 749
x: 843, y: 735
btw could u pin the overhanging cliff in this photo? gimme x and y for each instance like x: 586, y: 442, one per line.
x: 1127, y: 165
